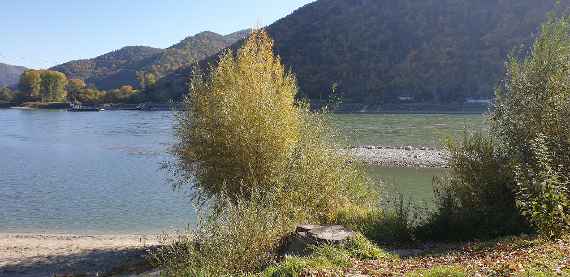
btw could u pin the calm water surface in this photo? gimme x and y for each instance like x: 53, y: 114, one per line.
x: 87, y: 172
x: 404, y: 129
x: 100, y: 172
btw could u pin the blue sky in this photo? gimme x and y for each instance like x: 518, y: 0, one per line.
x: 44, y: 33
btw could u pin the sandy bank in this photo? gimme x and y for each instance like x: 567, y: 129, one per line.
x: 400, y: 157
x: 47, y: 255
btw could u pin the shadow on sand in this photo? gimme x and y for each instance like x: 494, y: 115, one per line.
x: 128, y: 262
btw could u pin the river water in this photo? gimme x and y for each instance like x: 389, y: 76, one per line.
x: 101, y: 172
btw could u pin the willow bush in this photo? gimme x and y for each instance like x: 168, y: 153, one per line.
x: 258, y: 162
x: 241, y: 125
x: 531, y: 122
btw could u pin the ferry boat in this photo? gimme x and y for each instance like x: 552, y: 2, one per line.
x: 81, y: 108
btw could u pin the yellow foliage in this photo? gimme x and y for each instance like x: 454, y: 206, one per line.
x: 243, y: 121
x: 261, y: 160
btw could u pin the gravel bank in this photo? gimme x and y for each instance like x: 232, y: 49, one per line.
x: 400, y: 156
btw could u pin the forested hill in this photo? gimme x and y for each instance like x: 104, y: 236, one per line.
x: 376, y: 51
x: 122, y: 66
x: 110, y: 70
x: 10, y: 74
x: 432, y: 50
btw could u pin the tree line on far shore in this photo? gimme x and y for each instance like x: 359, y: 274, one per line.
x: 49, y: 86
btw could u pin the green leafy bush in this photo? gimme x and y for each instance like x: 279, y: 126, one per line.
x: 531, y: 122
x: 522, y: 170
x: 543, y: 193
x: 476, y: 199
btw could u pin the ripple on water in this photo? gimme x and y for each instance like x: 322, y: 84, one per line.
x: 84, y: 173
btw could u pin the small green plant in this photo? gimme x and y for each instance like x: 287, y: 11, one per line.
x: 439, y: 272
x: 361, y: 248
x: 329, y: 258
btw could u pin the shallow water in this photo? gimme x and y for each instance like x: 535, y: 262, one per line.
x: 100, y: 172
x: 415, y: 184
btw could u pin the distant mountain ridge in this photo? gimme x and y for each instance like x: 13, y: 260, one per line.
x: 10, y: 74
x: 381, y: 51
x: 120, y: 67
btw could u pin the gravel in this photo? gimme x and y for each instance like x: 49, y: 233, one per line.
x: 407, y: 156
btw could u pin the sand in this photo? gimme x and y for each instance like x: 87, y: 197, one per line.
x: 50, y: 254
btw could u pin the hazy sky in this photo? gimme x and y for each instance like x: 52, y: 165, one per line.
x: 44, y: 33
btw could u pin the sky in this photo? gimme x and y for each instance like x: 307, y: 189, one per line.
x: 43, y: 33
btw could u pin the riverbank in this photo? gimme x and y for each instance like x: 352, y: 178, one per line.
x: 37, y: 255
x: 407, y: 156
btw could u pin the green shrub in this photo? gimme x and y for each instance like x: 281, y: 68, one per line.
x: 476, y: 199
x: 239, y: 240
x: 531, y: 122
x: 258, y: 163
x: 542, y: 192
x: 523, y: 168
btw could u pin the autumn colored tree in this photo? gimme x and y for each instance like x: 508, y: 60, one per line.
x: 259, y: 160
x: 43, y: 85
x: 127, y: 89
x: 30, y: 84
x: 53, y: 85
x: 75, y: 87
x: 147, y: 80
